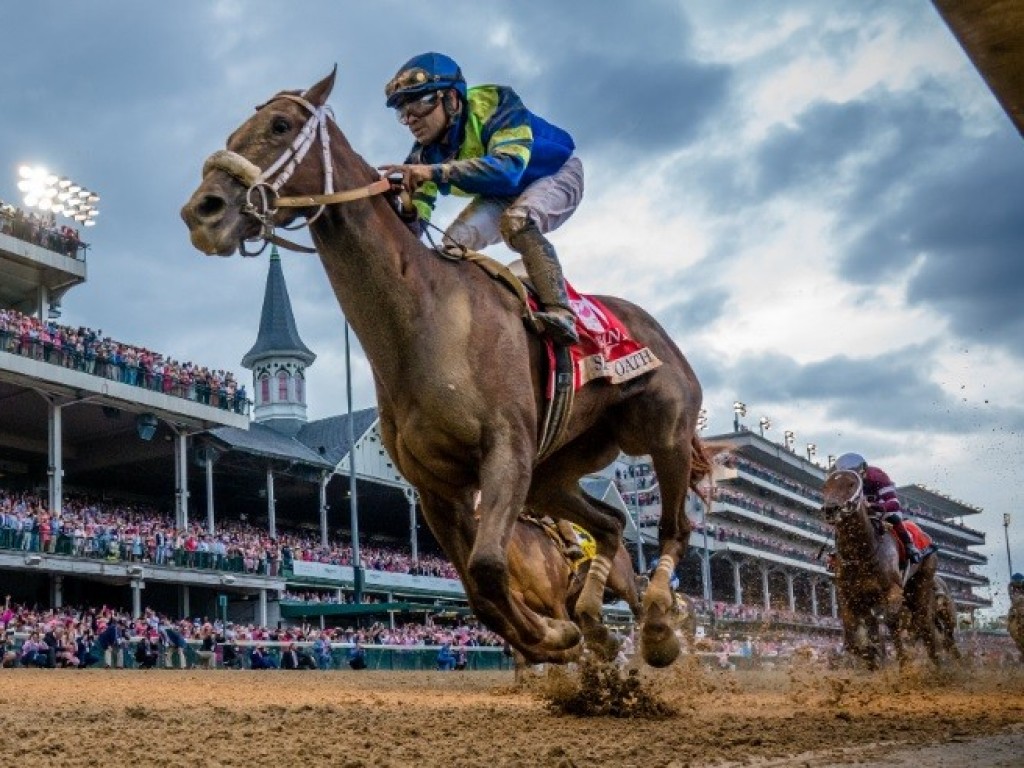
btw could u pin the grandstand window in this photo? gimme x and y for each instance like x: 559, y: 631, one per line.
x: 265, y: 389
x: 282, y: 386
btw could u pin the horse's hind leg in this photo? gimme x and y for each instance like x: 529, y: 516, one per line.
x: 602, y: 521
x: 659, y: 642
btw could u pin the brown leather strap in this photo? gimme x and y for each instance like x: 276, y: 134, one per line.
x: 288, y: 244
x: 499, y: 271
x: 305, y: 201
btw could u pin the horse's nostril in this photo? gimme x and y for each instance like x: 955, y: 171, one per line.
x: 210, y: 206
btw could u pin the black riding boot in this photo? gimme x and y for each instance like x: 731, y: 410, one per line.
x: 546, y: 273
x: 913, y: 553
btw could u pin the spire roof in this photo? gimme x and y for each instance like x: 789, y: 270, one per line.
x: 278, y: 336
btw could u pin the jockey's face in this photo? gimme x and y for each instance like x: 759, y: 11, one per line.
x: 429, y: 128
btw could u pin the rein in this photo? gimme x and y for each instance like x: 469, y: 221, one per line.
x: 262, y: 189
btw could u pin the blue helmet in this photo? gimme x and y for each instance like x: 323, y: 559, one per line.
x: 1017, y: 578
x: 423, y: 74
x: 853, y: 462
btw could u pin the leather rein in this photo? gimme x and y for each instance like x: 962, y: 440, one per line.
x: 262, y: 196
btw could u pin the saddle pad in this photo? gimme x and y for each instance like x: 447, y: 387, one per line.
x: 606, y: 350
x: 921, y: 539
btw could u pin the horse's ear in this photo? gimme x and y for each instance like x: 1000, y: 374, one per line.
x: 318, y: 94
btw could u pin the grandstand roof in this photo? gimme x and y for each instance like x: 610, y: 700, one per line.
x: 278, y: 334
x: 769, y: 454
x: 262, y: 440
x: 942, y: 505
x: 329, y: 437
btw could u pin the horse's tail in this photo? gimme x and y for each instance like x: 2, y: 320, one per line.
x: 702, y: 454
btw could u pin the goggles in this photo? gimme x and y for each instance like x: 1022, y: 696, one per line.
x: 418, y: 108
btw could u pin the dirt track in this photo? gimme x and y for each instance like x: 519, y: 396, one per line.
x: 804, y: 716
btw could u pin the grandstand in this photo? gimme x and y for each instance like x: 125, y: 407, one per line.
x: 263, y: 493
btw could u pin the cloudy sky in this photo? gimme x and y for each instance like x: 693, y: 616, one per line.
x: 822, y: 204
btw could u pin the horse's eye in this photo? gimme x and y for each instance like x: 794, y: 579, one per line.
x: 280, y: 125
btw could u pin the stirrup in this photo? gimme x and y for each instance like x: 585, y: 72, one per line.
x: 558, y: 326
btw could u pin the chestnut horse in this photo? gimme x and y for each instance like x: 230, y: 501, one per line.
x: 459, y: 381
x: 1015, y: 620
x: 550, y: 583
x: 869, y: 583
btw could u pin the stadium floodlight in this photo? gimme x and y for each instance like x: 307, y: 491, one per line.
x: 812, y: 450
x: 789, y: 436
x: 61, y: 196
x: 738, y: 409
x: 765, y: 424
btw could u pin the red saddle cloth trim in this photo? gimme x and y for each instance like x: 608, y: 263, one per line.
x: 606, y: 349
x: 921, y: 539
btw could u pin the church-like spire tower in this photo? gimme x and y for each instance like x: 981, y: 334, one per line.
x: 278, y: 359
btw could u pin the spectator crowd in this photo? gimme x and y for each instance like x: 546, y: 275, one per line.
x: 84, y: 349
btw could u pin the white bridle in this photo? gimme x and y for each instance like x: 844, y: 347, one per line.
x: 267, y: 184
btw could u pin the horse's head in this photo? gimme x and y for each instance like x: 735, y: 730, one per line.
x: 842, y: 495
x: 263, y: 161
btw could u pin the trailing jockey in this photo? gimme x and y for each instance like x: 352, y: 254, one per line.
x: 483, y: 143
x: 880, y: 493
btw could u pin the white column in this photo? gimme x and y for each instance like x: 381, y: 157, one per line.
x: 44, y: 304
x: 55, y: 470
x: 57, y: 589
x: 737, y: 584
x: 181, y: 475
x: 209, y: 495
x: 789, y: 591
x: 271, y: 509
x: 414, y: 543
x: 137, y: 587
x: 814, y: 597
x: 186, y: 608
x: 324, y: 479
x: 262, y: 617
x: 764, y: 589
x: 835, y: 602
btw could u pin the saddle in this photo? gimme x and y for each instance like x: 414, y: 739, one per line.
x: 606, y: 349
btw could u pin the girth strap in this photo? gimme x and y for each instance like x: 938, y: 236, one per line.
x: 558, y: 407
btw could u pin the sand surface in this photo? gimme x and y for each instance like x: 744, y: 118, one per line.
x: 800, y: 716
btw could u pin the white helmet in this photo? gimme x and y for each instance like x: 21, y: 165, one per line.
x: 853, y: 462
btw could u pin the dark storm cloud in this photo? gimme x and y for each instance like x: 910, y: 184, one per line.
x: 906, y: 178
x: 965, y: 218
x: 892, y: 391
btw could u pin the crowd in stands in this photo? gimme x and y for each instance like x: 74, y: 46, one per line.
x: 84, y: 349
x: 738, y: 462
x: 763, y: 617
x: 728, y: 495
x: 86, y: 637
x: 41, y: 229
x: 129, y: 532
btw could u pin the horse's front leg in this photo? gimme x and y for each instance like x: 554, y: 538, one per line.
x: 504, y: 482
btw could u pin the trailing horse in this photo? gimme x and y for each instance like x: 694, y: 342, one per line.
x: 460, y: 384
x: 550, y: 583
x: 869, y: 583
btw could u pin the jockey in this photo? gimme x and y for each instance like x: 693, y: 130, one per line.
x: 881, y: 496
x: 1016, y: 588
x: 483, y: 143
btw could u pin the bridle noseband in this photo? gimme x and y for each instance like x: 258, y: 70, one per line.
x: 262, y: 194
x: 837, y: 510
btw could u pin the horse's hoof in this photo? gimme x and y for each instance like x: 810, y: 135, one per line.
x: 659, y: 645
